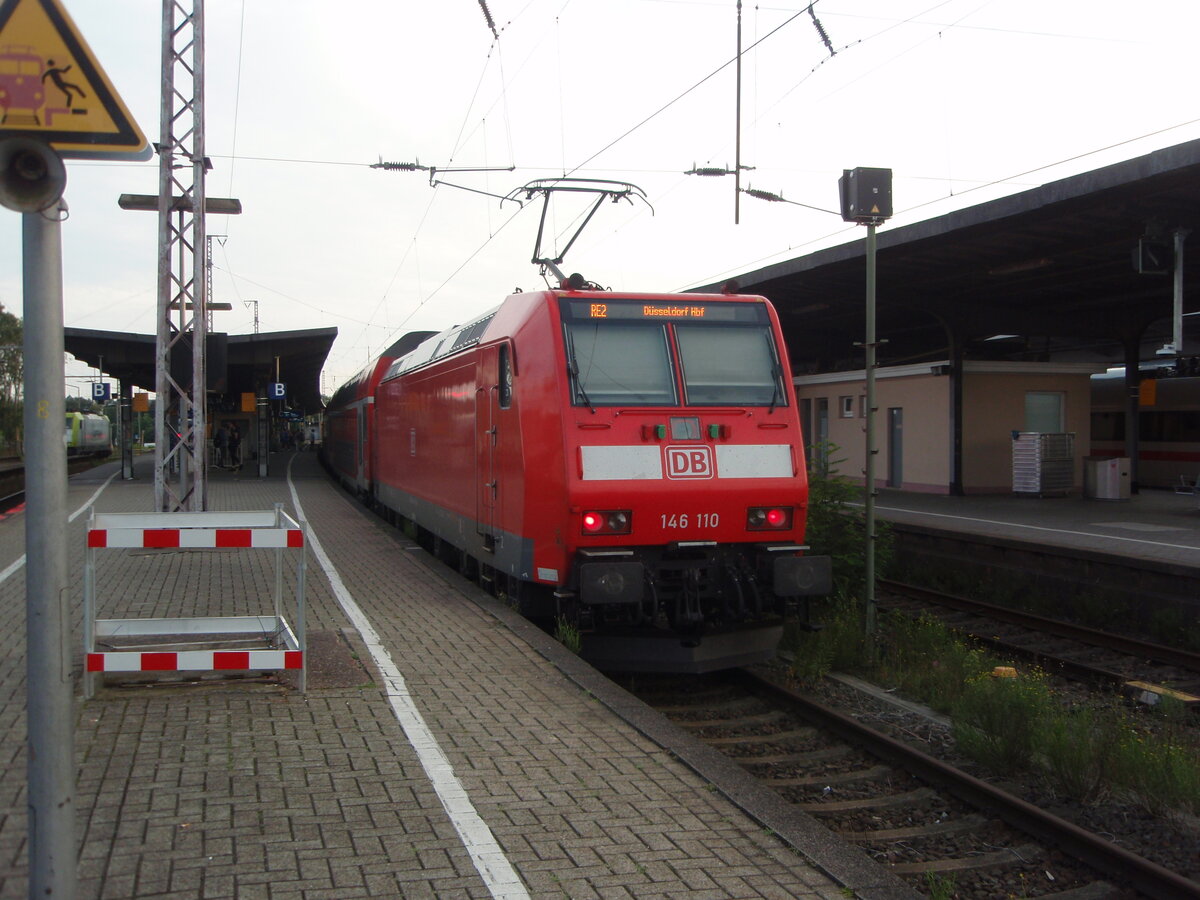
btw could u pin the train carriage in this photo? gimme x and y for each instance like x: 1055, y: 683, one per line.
x: 350, y: 418
x: 1168, y: 426
x: 631, y: 463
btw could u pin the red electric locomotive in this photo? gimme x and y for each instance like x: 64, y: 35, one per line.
x: 630, y: 462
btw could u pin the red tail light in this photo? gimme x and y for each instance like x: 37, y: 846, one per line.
x: 607, y: 521
x: 769, y: 518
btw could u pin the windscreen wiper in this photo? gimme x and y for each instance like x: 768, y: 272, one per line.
x: 776, y: 374
x: 573, y: 371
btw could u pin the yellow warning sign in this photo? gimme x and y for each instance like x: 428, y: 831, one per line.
x: 52, y: 88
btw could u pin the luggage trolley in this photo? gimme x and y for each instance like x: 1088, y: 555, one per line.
x: 229, y: 643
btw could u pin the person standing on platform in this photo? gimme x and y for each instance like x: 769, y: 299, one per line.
x: 235, y: 447
x: 221, y: 444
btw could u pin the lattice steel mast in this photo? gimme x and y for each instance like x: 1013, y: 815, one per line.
x: 182, y: 286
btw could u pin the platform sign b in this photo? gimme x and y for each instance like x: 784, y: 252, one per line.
x: 101, y: 391
x: 278, y: 390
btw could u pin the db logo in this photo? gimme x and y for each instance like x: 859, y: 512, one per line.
x: 689, y: 462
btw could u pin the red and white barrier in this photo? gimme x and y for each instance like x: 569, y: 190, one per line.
x: 194, y: 661
x: 284, y: 646
x: 195, y: 538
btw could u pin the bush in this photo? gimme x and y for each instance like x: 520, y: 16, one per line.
x: 997, y: 720
x: 837, y: 526
x: 838, y: 645
x: 924, y: 658
x: 1078, y: 750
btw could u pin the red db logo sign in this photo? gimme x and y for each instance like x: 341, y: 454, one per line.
x: 689, y: 462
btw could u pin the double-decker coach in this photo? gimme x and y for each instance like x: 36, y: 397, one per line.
x: 348, y: 423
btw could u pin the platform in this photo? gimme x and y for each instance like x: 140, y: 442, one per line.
x: 1155, y: 525
x: 444, y: 747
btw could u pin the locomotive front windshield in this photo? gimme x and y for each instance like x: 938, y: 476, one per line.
x: 643, y: 353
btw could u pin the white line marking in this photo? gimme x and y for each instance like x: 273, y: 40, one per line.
x: 1111, y: 537
x: 493, y: 867
x: 15, y: 565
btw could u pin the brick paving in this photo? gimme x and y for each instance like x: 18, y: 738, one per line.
x: 251, y: 789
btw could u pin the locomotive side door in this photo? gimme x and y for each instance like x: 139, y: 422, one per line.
x: 487, y: 394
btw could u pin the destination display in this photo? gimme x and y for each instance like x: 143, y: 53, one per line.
x: 664, y: 310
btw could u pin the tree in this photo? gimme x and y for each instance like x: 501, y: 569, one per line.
x: 12, y: 378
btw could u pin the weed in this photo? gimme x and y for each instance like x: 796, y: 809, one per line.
x: 568, y: 634
x: 1077, y: 750
x: 838, y: 645
x: 997, y: 720
x: 1013, y: 724
x: 941, y: 887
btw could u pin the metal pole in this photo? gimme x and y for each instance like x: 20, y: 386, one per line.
x: 50, y: 720
x: 199, y: 395
x: 125, y: 428
x: 166, y: 159
x: 869, y: 479
x: 737, y: 156
x: 264, y: 435
x: 1177, y: 337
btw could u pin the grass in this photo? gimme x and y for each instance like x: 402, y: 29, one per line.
x: 1017, y: 724
x: 568, y: 635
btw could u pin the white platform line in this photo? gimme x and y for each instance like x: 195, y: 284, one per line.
x: 15, y: 565
x: 489, y: 859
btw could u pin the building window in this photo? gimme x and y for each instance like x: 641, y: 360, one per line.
x: 847, y: 406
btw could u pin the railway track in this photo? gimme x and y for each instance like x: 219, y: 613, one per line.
x: 942, y: 830
x: 1138, y: 668
x: 12, y: 479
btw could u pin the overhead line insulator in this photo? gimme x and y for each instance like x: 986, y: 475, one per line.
x: 763, y: 195
x: 399, y: 166
x: 487, y: 15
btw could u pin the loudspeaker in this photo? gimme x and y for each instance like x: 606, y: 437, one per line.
x: 32, y: 176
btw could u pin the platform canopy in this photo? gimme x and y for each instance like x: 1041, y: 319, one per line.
x: 1045, y: 274
x: 237, y: 363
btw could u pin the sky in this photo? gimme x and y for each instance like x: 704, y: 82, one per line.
x: 965, y: 100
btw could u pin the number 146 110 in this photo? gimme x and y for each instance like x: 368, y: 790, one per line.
x: 693, y: 520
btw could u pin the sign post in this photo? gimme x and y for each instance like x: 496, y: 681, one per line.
x: 55, y: 102
x: 51, y: 733
x: 867, y: 200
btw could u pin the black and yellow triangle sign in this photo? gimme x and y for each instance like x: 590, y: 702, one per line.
x: 53, y: 89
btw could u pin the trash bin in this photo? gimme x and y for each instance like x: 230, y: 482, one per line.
x: 1106, y: 478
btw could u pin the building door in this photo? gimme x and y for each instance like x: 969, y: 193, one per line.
x: 895, y: 428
